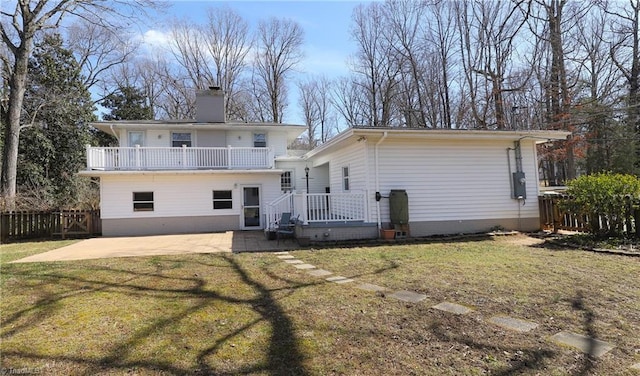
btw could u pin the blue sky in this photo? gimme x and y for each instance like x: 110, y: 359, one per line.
x: 325, y: 23
x: 327, y: 42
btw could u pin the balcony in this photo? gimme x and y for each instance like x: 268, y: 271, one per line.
x: 178, y: 158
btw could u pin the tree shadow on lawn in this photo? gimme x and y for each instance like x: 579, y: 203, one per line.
x: 533, y: 358
x: 284, y: 355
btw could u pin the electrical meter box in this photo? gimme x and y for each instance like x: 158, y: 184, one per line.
x: 519, y: 185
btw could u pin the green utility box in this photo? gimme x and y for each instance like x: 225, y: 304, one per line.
x: 399, y: 207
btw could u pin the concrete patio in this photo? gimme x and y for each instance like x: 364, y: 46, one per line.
x: 230, y: 241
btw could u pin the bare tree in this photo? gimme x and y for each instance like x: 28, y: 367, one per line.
x: 99, y: 51
x: 550, y: 27
x: 18, y: 30
x: 625, y: 53
x: 349, y: 102
x: 489, y: 37
x: 374, y: 64
x: 442, y: 34
x: 307, y: 101
x: 317, y: 108
x: 597, y: 97
x: 189, y: 51
x: 406, y: 39
x: 226, y: 37
x: 279, y: 50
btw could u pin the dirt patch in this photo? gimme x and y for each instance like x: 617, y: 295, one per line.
x: 522, y: 240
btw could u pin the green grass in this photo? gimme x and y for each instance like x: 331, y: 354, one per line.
x: 15, y: 251
x: 254, y: 314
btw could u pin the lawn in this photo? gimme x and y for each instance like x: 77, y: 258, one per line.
x: 254, y: 314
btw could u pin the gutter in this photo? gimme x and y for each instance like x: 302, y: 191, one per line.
x: 377, y: 155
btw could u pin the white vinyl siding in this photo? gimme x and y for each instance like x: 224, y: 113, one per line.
x: 318, y: 175
x: 277, y: 141
x: 240, y: 139
x: 158, y: 138
x: 177, y: 195
x: 353, y: 157
x: 211, y: 138
x: 455, y: 180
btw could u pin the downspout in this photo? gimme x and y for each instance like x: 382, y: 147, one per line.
x: 367, y: 182
x: 377, y: 155
x: 114, y: 133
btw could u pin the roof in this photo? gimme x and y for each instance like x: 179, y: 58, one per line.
x: 376, y: 133
x: 293, y: 130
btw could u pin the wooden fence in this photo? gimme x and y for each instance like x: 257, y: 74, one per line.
x: 16, y: 226
x: 553, y: 217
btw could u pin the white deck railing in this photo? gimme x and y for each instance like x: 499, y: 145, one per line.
x: 319, y: 207
x: 170, y: 158
x: 335, y: 207
x: 274, y: 210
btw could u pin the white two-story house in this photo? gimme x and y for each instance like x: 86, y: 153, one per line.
x: 189, y: 176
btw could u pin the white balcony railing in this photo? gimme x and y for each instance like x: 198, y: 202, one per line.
x: 178, y: 158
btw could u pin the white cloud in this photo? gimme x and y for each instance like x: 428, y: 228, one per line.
x: 156, y: 38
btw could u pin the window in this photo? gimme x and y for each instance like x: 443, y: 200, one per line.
x: 259, y: 140
x: 142, y: 201
x: 222, y: 200
x: 286, y: 182
x: 345, y: 178
x: 136, y: 138
x: 180, y: 138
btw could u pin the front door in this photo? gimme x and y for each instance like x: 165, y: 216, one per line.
x: 251, y: 208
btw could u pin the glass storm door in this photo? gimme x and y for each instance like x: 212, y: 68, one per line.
x: 250, y: 208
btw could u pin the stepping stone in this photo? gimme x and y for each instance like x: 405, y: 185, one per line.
x: 294, y: 261
x: 339, y: 279
x: 587, y: 345
x: 369, y: 287
x: 281, y: 253
x: 285, y: 257
x: 513, y: 324
x: 305, y: 266
x: 319, y: 272
x: 408, y: 296
x: 452, y: 308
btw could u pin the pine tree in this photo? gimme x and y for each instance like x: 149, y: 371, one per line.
x: 127, y: 103
x: 58, y: 108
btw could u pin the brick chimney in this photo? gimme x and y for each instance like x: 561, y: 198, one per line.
x: 210, y: 105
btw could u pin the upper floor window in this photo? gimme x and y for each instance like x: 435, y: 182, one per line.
x: 136, y: 138
x: 180, y: 138
x: 259, y: 140
x: 286, y: 181
x: 142, y: 201
x: 345, y: 178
